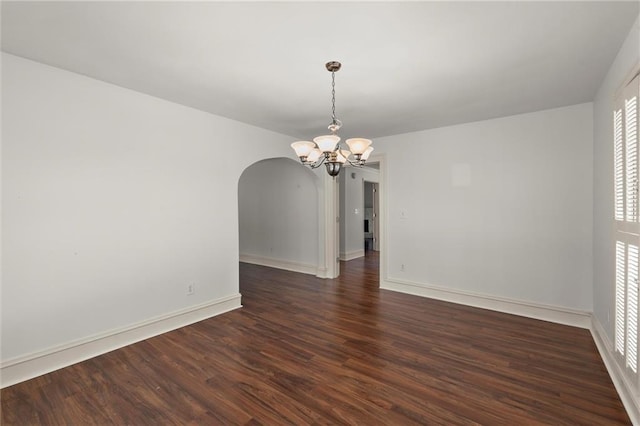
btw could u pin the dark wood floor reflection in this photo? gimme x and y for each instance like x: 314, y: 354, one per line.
x: 310, y: 351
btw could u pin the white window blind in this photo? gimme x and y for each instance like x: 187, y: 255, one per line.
x: 626, y: 218
x: 619, y: 166
x: 621, y: 295
x: 631, y: 147
x: 632, y: 307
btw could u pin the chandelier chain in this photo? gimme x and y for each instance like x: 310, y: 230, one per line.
x: 333, y: 97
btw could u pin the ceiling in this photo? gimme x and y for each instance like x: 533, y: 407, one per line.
x: 406, y: 66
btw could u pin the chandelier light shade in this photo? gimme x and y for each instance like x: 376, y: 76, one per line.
x: 303, y: 149
x: 314, y: 156
x: 327, y: 143
x: 326, y: 149
x: 358, y: 145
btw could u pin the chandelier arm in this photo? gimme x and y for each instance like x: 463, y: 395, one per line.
x: 318, y: 163
x: 357, y: 163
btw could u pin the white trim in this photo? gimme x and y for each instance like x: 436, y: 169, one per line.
x: 335, y: 220
x: 556, y: 314
x: 381, y: 159
x: 27, y: 367
x: 630, y: 401
x: 350, y: 255
x: 288, y: 265
x: 321, y: 272
x: 330, y: 218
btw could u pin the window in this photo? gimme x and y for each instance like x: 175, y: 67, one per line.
x: 627, y: 225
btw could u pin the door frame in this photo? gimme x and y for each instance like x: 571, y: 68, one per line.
x: 331, y: 220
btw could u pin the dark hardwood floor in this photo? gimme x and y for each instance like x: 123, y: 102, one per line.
x: 310, y: 351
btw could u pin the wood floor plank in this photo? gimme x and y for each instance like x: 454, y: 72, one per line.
x: 304, y: 350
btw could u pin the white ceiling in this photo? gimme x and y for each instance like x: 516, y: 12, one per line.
x: 406, y: 66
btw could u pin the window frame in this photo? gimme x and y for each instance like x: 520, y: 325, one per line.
x: 626, y: 135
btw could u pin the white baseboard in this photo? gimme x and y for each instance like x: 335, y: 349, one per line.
x: 287, y: 265
x: 27, y: 367
x: 625, y: 390
x: 350, y: 255
x: 321, y: 272
x: 549, y: 313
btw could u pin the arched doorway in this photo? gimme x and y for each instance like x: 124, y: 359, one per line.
x: 281, y: 216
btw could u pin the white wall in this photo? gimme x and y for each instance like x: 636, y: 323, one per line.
x: 113, y: 203
x: 603, y: 237
x: 278, y: 208
x: 352, y: 210
x: 499, y: 208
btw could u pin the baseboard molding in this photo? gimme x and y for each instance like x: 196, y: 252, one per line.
x: 549, y: 313
x: 625, y: 391
x: 321, y: 272
x: 350, y: 255
x: 287, y: 265
x: 27, y: 367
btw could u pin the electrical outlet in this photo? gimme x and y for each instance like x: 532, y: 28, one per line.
x: 191, y: 288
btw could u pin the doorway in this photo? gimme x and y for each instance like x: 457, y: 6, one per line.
x: 359, y: 216
x: 279, y: 224
x: 371, y: 216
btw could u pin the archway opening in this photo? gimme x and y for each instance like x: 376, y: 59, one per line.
x: 279, y: 216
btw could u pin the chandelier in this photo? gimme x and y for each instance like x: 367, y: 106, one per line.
x: 327, y: 149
